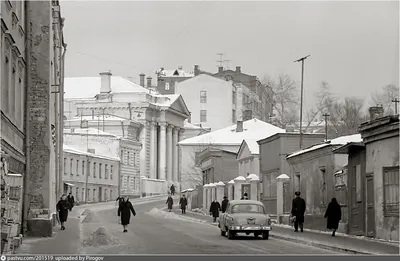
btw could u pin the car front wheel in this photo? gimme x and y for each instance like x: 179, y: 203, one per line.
x: 231, y: 234
x: 265, y: 235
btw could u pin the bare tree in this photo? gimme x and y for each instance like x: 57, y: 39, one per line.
x: 285, y: 99
x: 385, y: 97
x: 347, y: 115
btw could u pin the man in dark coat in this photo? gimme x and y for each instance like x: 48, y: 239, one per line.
x: 224, y: 204
x: 62, y: 207
x: 334, y: 215
x: 71, y: 201
x: 298, y: 210
x: 172, y: 188
x: 183, y: 203
x: 124, y: 211
x: 170, y: 202
x: 120, y: 202
x: 214, y: 210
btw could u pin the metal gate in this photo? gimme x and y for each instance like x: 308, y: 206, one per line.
x: 286, y: 198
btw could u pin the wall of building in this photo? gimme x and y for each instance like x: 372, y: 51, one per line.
x: 130, y: 169
x: 171, y: 81
x: 102, y: 144
x: 383, y: 153
x: 99, y: 180
x: 219, y: 111
x: 315, y: 170
x: 250, y: 165
x: 228, y: 167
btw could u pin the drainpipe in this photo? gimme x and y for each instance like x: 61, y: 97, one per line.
x: 87, y: 177
x: 61, y: 139
x: 26, y: 197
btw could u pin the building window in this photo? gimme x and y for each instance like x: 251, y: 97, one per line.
x: 203, y: 116
x: 134, y: 183
x: 70, y: 166
x: 94, y: 169
x: 65, y: 166
x: 105, y: 195
x: 100, y: 170
x: 111, y: 194
x: 94, y: 195
x: 88, y: 194
x: 134, y: 159
x: 391, y: 191
x: 127, y: 158
x: 122, y: 156
x: 83, y: 167
x: 83, y: 194
x: 233, y: 97
x: 12, y: 92
x: 297, y: 182
x: 203, y: 96
x: 77, y: 167
x: 106, y: 171
x: 5, y: 99
x: 234, y: 116
x: 167, y: 86
x: 111, y: 171
x: 269, y: 182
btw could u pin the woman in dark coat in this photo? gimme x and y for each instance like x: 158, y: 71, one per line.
x: 214, y: 210
x: 333, y: 215
x: 170, y: 203
x: 124, y: 211
x: 63, y: 206
x: 183, y: 203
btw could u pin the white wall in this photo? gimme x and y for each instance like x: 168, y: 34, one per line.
x: 103, y: 145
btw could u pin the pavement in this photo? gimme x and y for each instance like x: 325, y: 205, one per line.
x: 153, y: 231
x: 343, y: 243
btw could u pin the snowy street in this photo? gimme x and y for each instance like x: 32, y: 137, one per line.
x: 153, y: 231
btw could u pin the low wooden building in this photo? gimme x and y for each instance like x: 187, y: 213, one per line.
x: 373, y: 180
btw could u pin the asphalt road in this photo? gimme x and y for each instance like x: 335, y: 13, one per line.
x: 155, y: 234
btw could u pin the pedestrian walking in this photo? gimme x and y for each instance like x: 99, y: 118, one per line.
x: 183, y: 203
x: 298, y: 210
x: 71, y: 201
x: 124, y: 211
x: 214, y: 210
x: 118, y: 203
x: 224, y: 204
x: 62, y: 210
x: 170, y: 202
x: 172, y: 188
x: 333, y: 215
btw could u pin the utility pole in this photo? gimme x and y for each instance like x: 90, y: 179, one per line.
x: 301, y: 98
x: 396, y: 101
x: 326, y: 115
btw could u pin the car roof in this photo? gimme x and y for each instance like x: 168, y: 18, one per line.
x: 246, y: 202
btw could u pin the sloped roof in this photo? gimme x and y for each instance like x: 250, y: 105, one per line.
x: 175, y: 73
x: 251, y: 144
x: 343, y: 140
x: 252, y: 129
x: 89, y: 87
x: 205, y: 77
x: 71, y: 149
x: 89, y: 131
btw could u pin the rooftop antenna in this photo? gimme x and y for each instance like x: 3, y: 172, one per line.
x: 227, y: 63
x: 220, y: 61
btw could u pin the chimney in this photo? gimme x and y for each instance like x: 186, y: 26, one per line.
x: 105, y: 86
x: 238, y: 69
x: 220, y: 69
x: 239, y: 126
x: 148, y: 82
x: 196, y: 70
x: 375, y: 112
x: 142, y: 75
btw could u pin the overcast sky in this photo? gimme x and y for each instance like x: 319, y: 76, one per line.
x: 354, y: 46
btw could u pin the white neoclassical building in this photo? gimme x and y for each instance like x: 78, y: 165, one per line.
x: 119, y: 106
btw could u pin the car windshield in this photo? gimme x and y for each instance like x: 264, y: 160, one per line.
x: 248, y: 208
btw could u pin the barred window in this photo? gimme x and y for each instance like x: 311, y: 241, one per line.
x: 391, y: 191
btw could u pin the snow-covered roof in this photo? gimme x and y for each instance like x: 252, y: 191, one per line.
x: 89, y: 87
x: 174, y: 73
x: 240, y: 178
x: 165, y: 100
x: 188, y: 125
x: 252, y: 176
x: 231, y: 182
x: 89, y: 131
x: 343, y: 140
x: 71, y: 149
x: 97, y: 118
x: 253, y: 146
x: 252, y: 129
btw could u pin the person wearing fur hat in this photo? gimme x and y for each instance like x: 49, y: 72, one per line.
x: 298, y: 210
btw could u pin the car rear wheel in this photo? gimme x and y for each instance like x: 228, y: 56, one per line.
x: 265, y: 235
x: 231, y: 234
x: 256, y: 234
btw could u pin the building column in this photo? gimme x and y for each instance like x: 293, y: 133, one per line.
x: 175, y: 154
x: 169, y: 154
x: 163, y: 151
x: 153, y: 150
x: 179, y: 168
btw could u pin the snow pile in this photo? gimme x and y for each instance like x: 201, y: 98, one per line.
x: 88, y: 216
x: 156, y: 212
x: 100, y: 237
x: 200, y: 211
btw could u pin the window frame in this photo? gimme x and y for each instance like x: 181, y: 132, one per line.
x: 385, y: 170
x: 203, y: 96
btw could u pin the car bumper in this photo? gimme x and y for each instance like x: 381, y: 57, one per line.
x: 245, y: 228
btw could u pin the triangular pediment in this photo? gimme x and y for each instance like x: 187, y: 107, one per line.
x: 179, y: 105
x: 244, y: 151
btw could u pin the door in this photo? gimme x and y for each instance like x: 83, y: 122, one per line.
x: 246, y: 189
x: 370, y: 205
x: 357, y: 218
x: 100, y: 193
